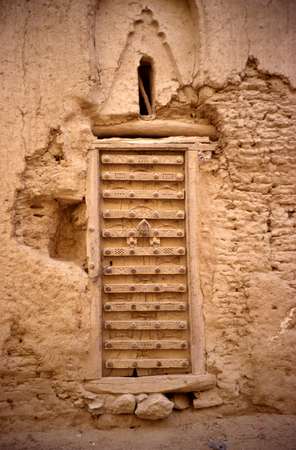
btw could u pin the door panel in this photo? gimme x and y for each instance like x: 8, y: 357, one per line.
x: 144, y: 263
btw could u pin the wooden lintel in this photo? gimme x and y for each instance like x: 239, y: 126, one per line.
x: 152, y: 384
x: 173, y: 144
x: 154, y: 128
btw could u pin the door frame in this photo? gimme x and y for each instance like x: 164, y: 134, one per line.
x: 195, y: 149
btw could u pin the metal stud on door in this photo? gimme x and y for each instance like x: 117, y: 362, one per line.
x: 144, y: 270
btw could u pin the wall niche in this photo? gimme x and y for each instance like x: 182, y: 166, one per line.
x: 164, y: 36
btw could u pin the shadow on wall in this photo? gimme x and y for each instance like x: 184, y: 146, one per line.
x: 49, y: 211
x: 52, y: 226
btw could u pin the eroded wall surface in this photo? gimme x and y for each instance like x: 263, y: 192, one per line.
x: 63, y: 63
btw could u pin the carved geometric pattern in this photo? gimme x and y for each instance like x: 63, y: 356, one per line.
x: 144, y: 251
x: 132, y: 232
x: 142, y: 159
x: 144, y: 285
x: 144, y: 194
x: 143, y: 176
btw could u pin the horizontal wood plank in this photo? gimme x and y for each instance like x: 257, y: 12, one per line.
x: 142, y: 363
x: 152, y: 384
x: 156, y: 127
x: 143, y: 214
x: 171, y: 344
x: 143, y: 176
x: 151, y: 287
x: 132, y: 232
x: 145, y: 306
x: 171, y: 269
x: 144, y: 251
x: 142, y: 194
x: 142, y: 159
x: 145, y: 324
x: 170, y: 144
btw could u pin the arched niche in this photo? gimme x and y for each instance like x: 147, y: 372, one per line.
x: 164, y: 31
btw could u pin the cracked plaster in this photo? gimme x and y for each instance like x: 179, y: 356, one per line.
x: 51, y: 67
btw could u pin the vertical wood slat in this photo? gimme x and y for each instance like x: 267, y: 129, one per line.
x: 93, y: 241
x: 195, y: 296
x: 93, y: 261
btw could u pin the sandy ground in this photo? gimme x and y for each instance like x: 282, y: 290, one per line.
x: 257, y: 432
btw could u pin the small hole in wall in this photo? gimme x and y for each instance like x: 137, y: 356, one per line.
x: 145, y: 81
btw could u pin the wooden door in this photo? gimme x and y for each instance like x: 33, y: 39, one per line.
x: 144, y: 263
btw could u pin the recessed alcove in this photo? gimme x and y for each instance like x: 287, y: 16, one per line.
x: 149, y: 82
x: 157, y: 44
x: 145, y: 80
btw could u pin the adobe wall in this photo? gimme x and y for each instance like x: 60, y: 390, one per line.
x: 64, y: 65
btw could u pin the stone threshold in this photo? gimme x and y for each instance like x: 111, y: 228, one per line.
x: 152, y: 384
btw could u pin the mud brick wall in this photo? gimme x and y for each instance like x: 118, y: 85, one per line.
x: 250, y: 221
x: 54, y: 81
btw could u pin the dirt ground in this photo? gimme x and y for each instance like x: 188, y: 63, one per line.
x: 257, y: 432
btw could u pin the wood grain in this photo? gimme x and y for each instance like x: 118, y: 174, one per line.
x: 142, y: 159
x: 147, y: 363
x: 133, y: 232
x: 140, y: 176
x: 162, y: 344
x: 144, y: 251
x: 152, y: 384
x: 145, y: 324
x: 156, y: 127
x: 144, y: 194
x: 171, y: 269
x: 148, y: 287
x: 145, y: 306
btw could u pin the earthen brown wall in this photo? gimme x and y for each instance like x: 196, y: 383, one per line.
x: 50, y: 76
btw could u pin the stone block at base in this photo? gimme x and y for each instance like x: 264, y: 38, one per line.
x: 181, y: 401
x: 155, y: 407
x: 207, y: 399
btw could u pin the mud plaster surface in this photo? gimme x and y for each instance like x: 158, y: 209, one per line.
x: 49, y: 76
x: 248, y: 432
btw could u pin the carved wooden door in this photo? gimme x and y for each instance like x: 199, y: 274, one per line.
x: 144, y: 289
x: 142, y: 246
